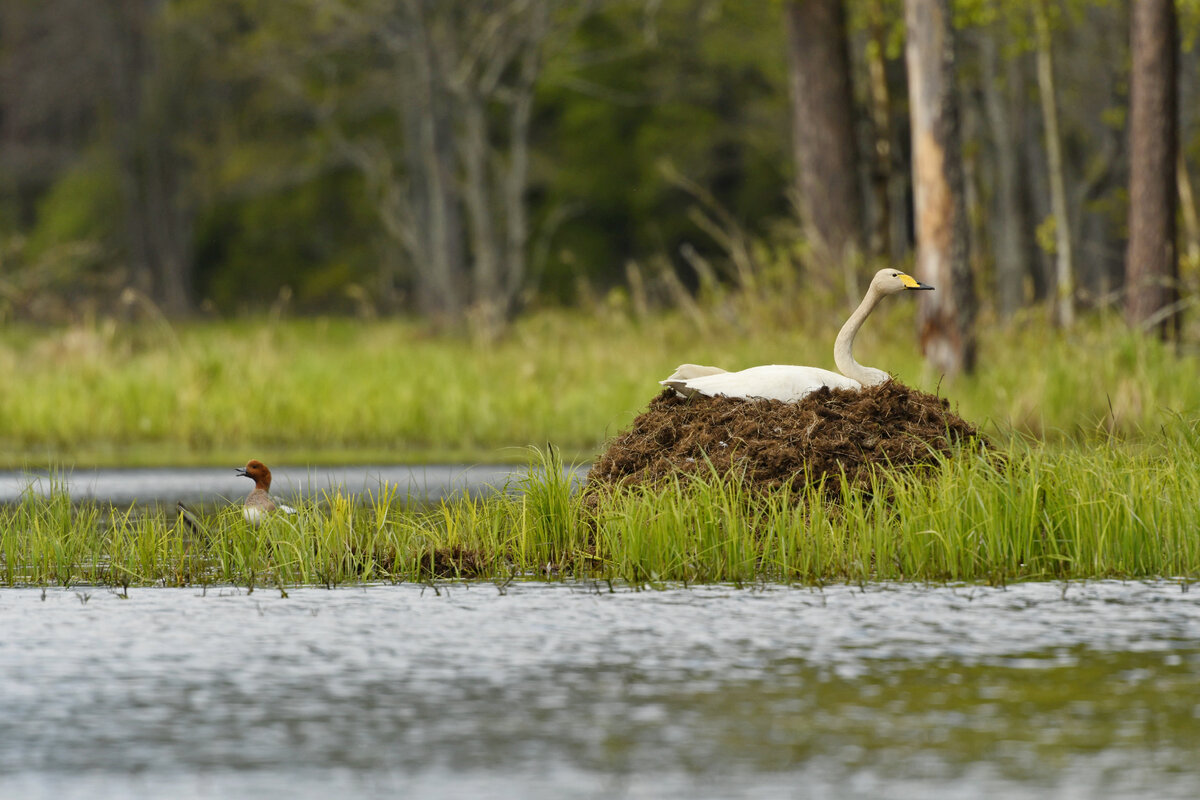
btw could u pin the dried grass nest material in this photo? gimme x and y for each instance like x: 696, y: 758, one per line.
x: 828, y: 432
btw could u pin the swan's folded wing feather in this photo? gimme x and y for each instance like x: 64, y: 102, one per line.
x: 771, y: 382
x: 685, y: 372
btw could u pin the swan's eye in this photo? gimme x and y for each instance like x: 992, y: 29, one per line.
x: 895, y: 274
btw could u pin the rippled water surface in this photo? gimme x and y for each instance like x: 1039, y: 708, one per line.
x: 548, y: 691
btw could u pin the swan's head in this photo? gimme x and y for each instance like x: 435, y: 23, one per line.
x: 893, y: 281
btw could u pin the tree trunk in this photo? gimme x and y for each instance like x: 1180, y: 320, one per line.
x: 146, y: 120
x: 970, y: 129
x: 166, y: 172
x: 439, y: 278
x: 880, y: 239
x: 495, y: 175
x: 1010, y: 245
x: 167, y: 224
x: 126, y: 67
x: 1151, y: 263
x: 1035, y: 194
x: 517, y: 179
x: 946, y: 315
x: 1064, y: 271
x: 823, y: 133
x: 486, y: 252
x: 471, y: 60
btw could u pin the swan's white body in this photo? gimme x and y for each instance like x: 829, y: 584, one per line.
x: 770, y: 382
x: 788, y: 383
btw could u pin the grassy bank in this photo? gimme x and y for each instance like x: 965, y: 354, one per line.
x: 308, y: 391
x: 1031, y: 513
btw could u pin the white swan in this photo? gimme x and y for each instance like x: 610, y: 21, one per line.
x: 788, y: 383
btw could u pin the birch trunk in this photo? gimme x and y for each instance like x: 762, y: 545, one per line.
x: 947, y: 315
x: 881, y: 159
x: 1010, y: 243
x: 1064, y: 267
x: 437, y: 278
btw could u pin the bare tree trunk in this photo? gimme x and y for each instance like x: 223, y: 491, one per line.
x: 1064, y: 272
x: 1152, y: 265
x: 166, y: 174
x: 880, y: 241
x: 946, y: 315
x: 487, y: 285
x: 167, y: 225
x: 438, y: 279
x: 495, y: 176
x: 517, y: 179
x: 125, y: 70
x: 452, y: 197
x: 823, y: 133
x: 146, y: 120
x: 1035, y: 194
x: 1010, y: 244
x: 970, y: 131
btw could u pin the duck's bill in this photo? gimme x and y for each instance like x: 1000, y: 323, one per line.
x: 912, y: 283
x: 241, y: 472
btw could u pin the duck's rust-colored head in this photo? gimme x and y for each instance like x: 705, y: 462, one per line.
x: 257, y: 471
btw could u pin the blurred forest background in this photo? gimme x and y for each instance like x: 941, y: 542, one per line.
x: 463, y: 160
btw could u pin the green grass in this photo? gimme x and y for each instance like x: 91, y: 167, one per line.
x: 330, y: 391
x: 1027, y: 513
x: 1097, y: 429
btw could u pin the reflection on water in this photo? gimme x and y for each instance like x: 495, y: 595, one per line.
x: 1088, y: 690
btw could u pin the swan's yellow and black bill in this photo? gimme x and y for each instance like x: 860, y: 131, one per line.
x: 912, y: 283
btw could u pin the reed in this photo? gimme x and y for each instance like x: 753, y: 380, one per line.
x: 1028, y: 512
x: 338, y: 391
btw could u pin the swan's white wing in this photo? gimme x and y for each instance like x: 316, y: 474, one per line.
x: 773, y: 382
x: 685, y: 372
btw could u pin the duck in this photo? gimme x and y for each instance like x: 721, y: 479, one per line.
x: 791, y: 383
x: 259, y: 504
x: 189, y: 522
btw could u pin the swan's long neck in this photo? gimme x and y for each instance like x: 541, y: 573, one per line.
x: 843, y: 347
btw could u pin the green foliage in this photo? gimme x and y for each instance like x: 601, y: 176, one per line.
x: 81, y: 206
x: 687, y: 82
x: 72, y: 252
x: 1046, y: 233
x: 313, y: 238
x: 1024, y: 513
x: 264, y: 112
x: 884, y: 16
x: 1189, y: 22
x: 297, y: 85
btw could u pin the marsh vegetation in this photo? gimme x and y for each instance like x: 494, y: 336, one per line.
x: 1094, y: 472
x: 1027, y: 512
x: 346, y: 391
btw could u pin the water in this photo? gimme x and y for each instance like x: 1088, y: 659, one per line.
x: 201, y: 485
x: 548, y: 691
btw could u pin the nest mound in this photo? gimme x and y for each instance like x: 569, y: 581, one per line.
x: 829, y: 432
